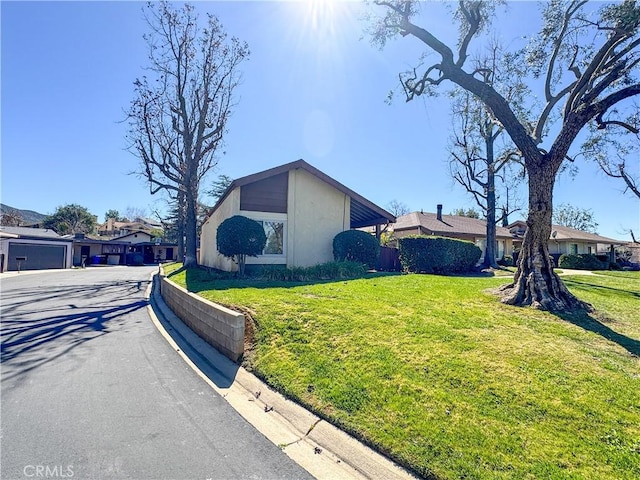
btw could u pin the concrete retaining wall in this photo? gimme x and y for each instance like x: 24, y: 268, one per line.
x: 220, y: 327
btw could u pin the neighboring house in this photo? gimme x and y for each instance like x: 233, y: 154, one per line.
x: 301, y: 210
x: 569, y: 240
x: 112, y: 228
x: 453, y: 226
x: 152, y: 249
x: 87, y: 251
x: 24, y: 248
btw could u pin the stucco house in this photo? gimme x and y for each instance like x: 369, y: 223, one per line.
x: 453, y: 226
x: 118, y: 251
x: 88, y: 251
x: 25, y: 248
x: 152, y: 249
x: 569, y: 240
x: 301, y: 209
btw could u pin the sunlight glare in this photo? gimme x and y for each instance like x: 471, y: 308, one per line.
x: 321, y: 14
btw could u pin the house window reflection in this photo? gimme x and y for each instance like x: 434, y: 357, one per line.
x: 274, y: 231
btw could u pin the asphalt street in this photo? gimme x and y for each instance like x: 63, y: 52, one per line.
x: 91, y: 390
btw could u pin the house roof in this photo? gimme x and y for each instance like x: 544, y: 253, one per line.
x: 449, y: 225
x: 565, y: 234
x: 27, y: 232
x: 131, y: 233
x: 364, y: 213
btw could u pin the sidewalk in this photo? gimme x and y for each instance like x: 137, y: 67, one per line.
x: 316, y: 445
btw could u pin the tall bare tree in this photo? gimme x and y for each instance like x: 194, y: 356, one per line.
x: 398, y: 208
x: 480, y: 163
x: 179, y: 115
x: 588, y: 63
x: 575, y: 217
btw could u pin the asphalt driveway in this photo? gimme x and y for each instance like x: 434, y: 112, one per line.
x: 90, y: 389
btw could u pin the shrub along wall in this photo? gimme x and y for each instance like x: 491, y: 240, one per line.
x: 584, y: 261
x: 421, y: 254
x: 356, y: 246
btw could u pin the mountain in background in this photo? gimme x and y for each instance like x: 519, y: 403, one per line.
x: 28, y: 216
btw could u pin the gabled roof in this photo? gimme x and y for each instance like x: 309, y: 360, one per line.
x: 364, y: 213
x: 566, y: 233
x: 563, y: 234
x: 449, y: 225
x: 133, y: 232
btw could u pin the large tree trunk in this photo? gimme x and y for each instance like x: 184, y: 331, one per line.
x: 180, y: 220
x: 191, y: 240
x: 490, y: 249
x: 535, y: 283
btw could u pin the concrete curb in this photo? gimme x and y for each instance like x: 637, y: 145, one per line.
x: 322, y: 449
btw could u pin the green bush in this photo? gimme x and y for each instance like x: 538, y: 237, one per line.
x: 422, y: 254
x: 239, y: 237
x: 324, y: 271
x: 356, y: 246
x: 506, y: 261
x: 583, y: 261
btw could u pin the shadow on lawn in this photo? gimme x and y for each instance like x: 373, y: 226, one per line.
x: 588, y: 322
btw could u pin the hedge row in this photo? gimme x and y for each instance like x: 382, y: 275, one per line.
x: 582, y: 261
x: 324, y: 271
x: 421, y: 254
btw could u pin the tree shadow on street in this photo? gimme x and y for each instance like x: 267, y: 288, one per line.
x: 44, y: 325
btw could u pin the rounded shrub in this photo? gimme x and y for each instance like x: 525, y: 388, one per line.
x: 239, y: 237
x: 422, y: 254
x: 356, y: 246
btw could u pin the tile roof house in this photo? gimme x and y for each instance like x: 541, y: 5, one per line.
x: 453, y: 226
x: 569, y: 240
x: 301, y: 209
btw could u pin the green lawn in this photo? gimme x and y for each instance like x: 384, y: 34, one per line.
x: 448, y: 381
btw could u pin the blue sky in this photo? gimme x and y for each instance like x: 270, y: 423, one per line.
x: 312, y: 89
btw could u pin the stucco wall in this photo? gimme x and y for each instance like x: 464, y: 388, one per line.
x: 220, y: 327
x: 317, y: 213
x: 209, y: 255
x: 94, y: 249
x: 565, y: 247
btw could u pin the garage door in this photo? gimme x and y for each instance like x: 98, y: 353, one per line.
x: 38, y: 256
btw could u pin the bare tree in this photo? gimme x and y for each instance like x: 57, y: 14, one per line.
x: 575, y: 217
x: 133, y: 214
x: 398, y: 208
x: 480, y: 164
x: 180, y: 112
x: 588, y: 63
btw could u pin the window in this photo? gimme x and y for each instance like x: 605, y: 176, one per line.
x: 573, y: 248
x: 274, y: 231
